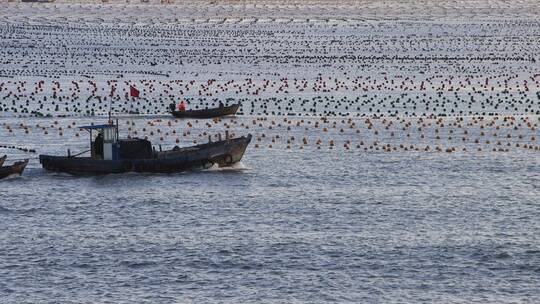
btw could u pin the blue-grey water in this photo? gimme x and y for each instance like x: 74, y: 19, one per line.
x: 285, y: 226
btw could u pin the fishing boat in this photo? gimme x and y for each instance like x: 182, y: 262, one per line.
x: 16, y: 169
x: 2, y: 160
x: 205, y: 113
x: 109, y: 154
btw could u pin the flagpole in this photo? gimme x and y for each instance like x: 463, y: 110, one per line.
x: 110, y: 110
x: 110, y: 104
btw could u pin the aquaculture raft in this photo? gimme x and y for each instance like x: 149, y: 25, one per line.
x: 108, y: 154
x: 206, y: 113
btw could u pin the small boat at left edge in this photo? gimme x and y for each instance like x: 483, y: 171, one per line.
x: 16, y: 169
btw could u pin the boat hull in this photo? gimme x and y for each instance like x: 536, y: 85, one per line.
x: 207, y: 113
x: 223, y: 153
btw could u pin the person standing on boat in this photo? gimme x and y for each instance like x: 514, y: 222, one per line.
x: 182, y: 106
x: 98, y: 146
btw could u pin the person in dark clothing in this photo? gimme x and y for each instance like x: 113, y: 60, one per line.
x: 98, y: 145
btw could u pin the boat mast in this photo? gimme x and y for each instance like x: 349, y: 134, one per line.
x: 110, y: 110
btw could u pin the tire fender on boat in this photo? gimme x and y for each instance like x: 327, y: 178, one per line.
x: 228, y: 159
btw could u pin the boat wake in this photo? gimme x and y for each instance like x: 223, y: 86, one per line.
x: 239, y: 166
x: 12, y: 176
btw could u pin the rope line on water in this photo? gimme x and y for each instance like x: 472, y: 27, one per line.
x: 24, y: 149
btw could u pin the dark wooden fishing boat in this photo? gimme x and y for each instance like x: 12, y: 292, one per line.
x: 2, y: 160
x: 112, y: 155
x: 205, y: 113
x: 15, y: 169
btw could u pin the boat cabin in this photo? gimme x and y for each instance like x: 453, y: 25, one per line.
x: 107, y: 146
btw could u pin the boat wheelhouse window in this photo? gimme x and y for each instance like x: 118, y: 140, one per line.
x: 109, y: 135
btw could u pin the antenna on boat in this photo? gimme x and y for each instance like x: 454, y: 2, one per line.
x: 111, y: 122
x: 110, y: 110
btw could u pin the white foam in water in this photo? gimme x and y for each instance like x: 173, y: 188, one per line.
x: 12, y: 176
x: 239, y: 166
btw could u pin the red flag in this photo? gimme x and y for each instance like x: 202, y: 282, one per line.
x: 133, y: 91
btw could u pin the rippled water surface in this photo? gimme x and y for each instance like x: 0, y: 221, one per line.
x: 283, y: 226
